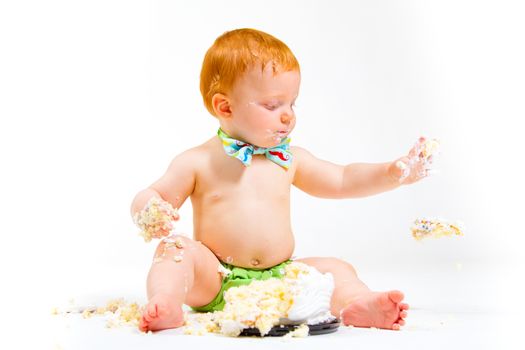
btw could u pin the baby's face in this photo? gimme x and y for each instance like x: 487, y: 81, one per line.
x: 262, y: 106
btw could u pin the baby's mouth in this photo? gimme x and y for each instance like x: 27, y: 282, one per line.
x: 278, y: 135
x: 281, y: 135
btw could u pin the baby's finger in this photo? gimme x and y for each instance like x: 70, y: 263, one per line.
x: 402, y: 164
x: 416, y: 149
x: 403, y: 168
x: 421, y: 172
x: 161, y: 233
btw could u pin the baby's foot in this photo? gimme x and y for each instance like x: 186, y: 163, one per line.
x: 376, y: 309
x: 162, y: 312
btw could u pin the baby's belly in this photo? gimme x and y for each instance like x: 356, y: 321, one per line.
x: 252, y: 239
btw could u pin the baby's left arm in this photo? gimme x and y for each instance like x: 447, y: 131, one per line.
x: 327, y: 180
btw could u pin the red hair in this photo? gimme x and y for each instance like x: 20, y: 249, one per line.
x: 234, y: 52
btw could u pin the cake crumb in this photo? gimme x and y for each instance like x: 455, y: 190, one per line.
x: 179, y: 243
x: 156, y: 216
x: 223, y: 271
x: 429, y: 148
x: 424, y: 228
x: 300, y: 332
x: 87, y: 313
x: 120, y: 313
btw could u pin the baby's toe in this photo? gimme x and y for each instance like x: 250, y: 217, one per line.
x: 152, y: 311
x: 396, y: 296
x: 143, y: 324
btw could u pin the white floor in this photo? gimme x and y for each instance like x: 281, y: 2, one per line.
x: 465, y: 306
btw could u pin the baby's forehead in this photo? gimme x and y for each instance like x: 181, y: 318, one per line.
x: 261, y: 70
x: 270, y: 82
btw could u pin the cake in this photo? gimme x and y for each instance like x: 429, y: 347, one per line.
x: 119, y: 312
x: 301, y: 297
x: 424, y: 228
x: 428, y: 148
x: 157, y: 215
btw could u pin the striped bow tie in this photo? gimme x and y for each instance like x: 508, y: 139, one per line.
x: 279, y: 154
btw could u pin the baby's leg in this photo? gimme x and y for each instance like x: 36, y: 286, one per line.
x: 183, y: 272
x: 355, y: 303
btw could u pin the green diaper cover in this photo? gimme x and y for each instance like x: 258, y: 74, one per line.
x: 240, y: 276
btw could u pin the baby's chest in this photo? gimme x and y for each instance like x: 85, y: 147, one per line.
x: 261, y: 179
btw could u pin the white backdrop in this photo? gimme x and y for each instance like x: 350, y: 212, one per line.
x: 96, y: 97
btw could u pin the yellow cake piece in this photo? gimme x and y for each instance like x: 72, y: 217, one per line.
x: 429, y: 148
x: 157, y: 215
x: 120, y: 313
x: 424, y: 228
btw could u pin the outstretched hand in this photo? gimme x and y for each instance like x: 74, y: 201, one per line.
x: 417, y: 164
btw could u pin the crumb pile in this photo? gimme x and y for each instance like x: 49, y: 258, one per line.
x: 301, y: 297
x: 157, y: 216
x: 121, y: 313
x: 423, y: 228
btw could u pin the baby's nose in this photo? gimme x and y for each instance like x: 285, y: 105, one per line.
x: 286, y: 118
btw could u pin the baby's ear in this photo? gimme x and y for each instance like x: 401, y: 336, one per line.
x: 221, y: 105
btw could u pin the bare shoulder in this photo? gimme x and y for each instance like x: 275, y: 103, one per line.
x: 193, y: 157
x: 299, y: 152
x: 179, y: 180
x: 300, y: 155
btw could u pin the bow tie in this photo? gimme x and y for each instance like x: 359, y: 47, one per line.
x: 279, y: 154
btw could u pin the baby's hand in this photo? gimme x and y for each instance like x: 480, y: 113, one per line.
x: 417, y: 164
x: 156, y: 219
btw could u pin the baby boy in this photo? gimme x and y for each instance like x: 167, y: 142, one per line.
x: 239, y: 185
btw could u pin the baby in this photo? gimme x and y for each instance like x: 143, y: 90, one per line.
x: 239, y: 185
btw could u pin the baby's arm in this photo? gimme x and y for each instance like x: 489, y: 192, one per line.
x: 327, y: 180
x: 173, y: 187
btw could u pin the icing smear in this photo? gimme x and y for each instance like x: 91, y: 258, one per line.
x: 311, y: 303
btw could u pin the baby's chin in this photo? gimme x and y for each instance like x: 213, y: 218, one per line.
x: 270, y: 141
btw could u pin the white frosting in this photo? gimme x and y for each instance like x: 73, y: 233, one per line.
x: 302, y: 296
x: 311, y: 304
x: 231, y: 328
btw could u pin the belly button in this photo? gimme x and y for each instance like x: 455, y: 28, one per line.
x: 255, y: 262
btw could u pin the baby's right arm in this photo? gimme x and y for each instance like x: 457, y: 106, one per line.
x: 173, y: 187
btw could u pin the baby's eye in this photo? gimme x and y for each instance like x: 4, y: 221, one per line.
x: 271, y: 107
